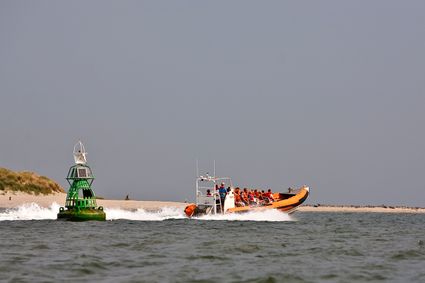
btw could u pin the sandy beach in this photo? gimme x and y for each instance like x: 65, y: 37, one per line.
x: 373, y: 209
x: 15, y: 199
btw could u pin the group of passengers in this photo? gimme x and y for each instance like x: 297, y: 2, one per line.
x: 253, y: 197
x: 244, y: 197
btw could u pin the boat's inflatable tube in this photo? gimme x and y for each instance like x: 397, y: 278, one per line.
x: 287, y: 205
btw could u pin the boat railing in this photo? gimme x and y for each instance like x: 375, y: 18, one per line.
x: 200, y: 188
x: 206, y: 200
x: 295, y: 190
x: 207, y: 191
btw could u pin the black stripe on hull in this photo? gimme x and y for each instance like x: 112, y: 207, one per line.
x: 292, y: 206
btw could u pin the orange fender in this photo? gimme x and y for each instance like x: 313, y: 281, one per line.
x: 190, y: 210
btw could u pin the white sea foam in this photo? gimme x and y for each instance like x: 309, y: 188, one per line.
x: 30, y: 211
x: 176, y: 213
x: 265, y: 215
x: 143, y: 215
x: 33, y: 211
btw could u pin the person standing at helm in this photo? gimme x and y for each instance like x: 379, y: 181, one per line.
x: 222, y: 191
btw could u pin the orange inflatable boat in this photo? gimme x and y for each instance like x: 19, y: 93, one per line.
x: 216, y: 195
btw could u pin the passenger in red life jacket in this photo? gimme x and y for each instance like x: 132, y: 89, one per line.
x: 251, y: 197
x: 244, y: 196
x: 269, y: 195
x: 238, y: 199
x: 209, y: 193
x: 257, y: 194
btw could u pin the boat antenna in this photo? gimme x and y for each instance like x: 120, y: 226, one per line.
x: 197, y: 168
x: 214, y: 168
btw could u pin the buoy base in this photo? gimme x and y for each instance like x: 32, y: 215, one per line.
x: 86, y: 214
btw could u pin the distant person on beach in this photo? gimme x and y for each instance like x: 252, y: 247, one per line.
x: 127, y: 198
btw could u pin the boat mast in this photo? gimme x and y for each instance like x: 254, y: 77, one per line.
x: 197, y: 168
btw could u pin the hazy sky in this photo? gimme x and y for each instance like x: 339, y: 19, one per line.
x: 280, y: 93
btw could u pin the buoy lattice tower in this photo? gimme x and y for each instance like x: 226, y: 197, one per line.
x: 80, y: 179
x: 80, y: 201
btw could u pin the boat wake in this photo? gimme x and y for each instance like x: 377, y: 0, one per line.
x: 33, y: 211
x: 266, y: 215
x: 143, y: 215
x: 176, y: 213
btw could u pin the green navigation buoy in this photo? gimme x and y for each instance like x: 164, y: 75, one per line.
x: 80, y: 202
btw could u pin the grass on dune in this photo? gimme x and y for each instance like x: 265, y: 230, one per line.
x: 27, y: 182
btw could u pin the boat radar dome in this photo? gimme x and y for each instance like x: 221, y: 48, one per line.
x: 80, y: 202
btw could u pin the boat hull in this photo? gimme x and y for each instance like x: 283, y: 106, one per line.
x: 284, y: 202
x: 89, y: 214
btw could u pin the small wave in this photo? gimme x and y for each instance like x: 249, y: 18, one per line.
x: 30, y: 211
x: 408, y: 254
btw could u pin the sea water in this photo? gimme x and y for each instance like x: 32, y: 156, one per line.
x: 140, y: 246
